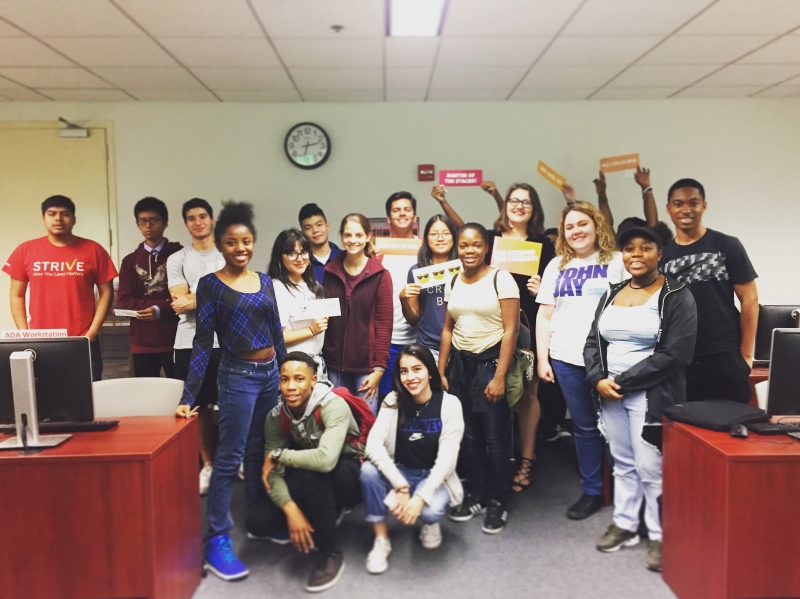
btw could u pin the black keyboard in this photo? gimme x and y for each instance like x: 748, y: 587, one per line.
x: 774, y: 428
x: 65, y: 427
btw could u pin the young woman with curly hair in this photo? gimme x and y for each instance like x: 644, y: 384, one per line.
x: 570, y: 290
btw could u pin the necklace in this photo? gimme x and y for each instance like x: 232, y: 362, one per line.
x: 630, y: 283
x: 418, y: 412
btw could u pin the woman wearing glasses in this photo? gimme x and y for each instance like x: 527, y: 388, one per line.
x: 295, y: 286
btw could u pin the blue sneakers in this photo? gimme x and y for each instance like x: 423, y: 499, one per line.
x: 221, y: 559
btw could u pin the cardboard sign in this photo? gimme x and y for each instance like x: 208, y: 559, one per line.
x: 314, y: 309
x: 517, y: 256
x: 462, y: 178
x: 392, y: 246
x: 436, y: 274
x: 125, y: 313
x: 549, y: 174
x: 619, y: 163
x: 35, y: 334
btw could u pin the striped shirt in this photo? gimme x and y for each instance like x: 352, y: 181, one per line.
x: 243, y: 322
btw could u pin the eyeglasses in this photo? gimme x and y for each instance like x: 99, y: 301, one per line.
x: 143, y: 222
x: 515, y: 202
x: 293, y: 255
x: 443, y: 235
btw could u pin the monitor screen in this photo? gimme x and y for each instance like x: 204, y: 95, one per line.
x: 783, y: 395
x: 62, y: 370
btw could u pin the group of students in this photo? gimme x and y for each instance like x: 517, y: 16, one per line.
x: 410, y: 390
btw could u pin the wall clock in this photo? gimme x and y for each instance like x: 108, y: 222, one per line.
x: 307, y: 145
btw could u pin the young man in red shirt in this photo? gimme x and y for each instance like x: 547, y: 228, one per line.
x: 61, y: 271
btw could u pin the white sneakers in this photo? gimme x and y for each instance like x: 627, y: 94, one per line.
x: 205, y: 478
x: 431, y: 535
x: 378, y: 558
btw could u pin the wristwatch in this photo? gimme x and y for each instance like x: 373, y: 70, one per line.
x: 276, y: 455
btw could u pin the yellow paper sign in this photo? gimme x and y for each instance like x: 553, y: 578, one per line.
x: 517, y: 256
x: 552, y: 176
x: 393, y: 246
x: 619, y: 163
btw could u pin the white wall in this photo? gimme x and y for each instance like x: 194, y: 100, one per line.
x: 745, y: 152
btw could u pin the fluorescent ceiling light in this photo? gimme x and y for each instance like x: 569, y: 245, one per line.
x: 415, y: 18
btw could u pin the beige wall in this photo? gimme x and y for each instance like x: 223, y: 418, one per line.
x: 744, y: 151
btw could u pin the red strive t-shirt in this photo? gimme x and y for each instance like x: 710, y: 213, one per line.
x: 61, y: 281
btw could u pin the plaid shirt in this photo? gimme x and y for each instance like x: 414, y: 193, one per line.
x: 243, y: 322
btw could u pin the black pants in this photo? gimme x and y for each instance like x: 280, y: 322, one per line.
x: 208, y: 391
x: 718, y: 376
x: 151, y: 364
x: 97, y: 359
x: 320, y: 495
x: 553, y: 404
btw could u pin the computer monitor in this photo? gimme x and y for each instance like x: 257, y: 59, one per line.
x: 62, y: 369
x: 772, y: 317
x: 783, y: 395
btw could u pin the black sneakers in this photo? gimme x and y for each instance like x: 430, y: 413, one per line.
x: 496, y: 518
x: 584, y: 507
x: 469, y: 508
x: 326, y: 572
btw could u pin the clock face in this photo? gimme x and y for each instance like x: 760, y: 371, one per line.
x: 307, y: 146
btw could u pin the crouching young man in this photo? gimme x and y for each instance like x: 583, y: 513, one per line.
x: 311, y: 469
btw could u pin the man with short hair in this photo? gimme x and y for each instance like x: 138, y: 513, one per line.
x: 311, y: 470
x: 143, y: 288
x: 401, y: 214
x: 184, y: 271
x: 61, y: 271
x: 316, y: 229
x: 716, y: 267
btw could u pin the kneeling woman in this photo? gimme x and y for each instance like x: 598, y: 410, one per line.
x: 413, y: 449
x: 640, y: 344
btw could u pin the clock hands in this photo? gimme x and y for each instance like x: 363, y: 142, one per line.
x: 308, y: 145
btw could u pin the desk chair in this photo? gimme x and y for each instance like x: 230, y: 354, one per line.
x: 143, y: 396
x: 762, y: 389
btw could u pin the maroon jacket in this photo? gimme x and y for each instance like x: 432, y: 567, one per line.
x: 143, y: 283
x: 359, y: 339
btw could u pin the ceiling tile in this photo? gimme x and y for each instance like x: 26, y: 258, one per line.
x: 24, y: 95
x: 313, y: 18
x: 6, y: 84
x: 412, y: 78
x: 344, y: 95
x: 337, y: 79
x: 661, y: 75
x: 633, y: 17
x: 490, y: 51
x: 342, y: 52
x: 751, y: 74
x: 467, y: 95
x: 259, y: 96
x: 779, y: 91
x: 404, y: 95
x: 7, y: 30
x: 55, y: 78
x: 244, y: 79
x: 3, y: 99
x: 784, y: 50
x: 704, y: 49
x: 553, y: 93
x: 738, y: 91
x: 599, y: 50
x: 112, y: 51
x: 746, y: 17
x: 88, y: 95
x: 544, y: 77
x: 500, y: 78
x: 220, y: 52
x: 500, y: 18
x: 634, y: 93
x: 193, y: 18
x: 173, y: 95
x: 28, y: 52
x: 174, y: 78
x: 411, y: 51
x: 64, y: 17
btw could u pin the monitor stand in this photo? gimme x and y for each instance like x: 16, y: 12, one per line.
x: 25, y: 414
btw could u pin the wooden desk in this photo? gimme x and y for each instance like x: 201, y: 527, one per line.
x: 105, y: 515
x: 730, y: 514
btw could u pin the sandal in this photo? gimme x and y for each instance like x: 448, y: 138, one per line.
x: 522, y: 479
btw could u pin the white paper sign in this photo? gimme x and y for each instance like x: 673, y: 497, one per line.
x: 313, y: 309
x: 436, y: 274
x: 126, y: 313
x: 35, y: 334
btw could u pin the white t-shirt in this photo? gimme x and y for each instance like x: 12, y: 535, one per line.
x: 575, y: 292
x: 187, y: 267
x: 475, y: 308
x: 403, y: 333
x: 290, y: 300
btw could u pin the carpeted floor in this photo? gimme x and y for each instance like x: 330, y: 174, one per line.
x: 541, y: 554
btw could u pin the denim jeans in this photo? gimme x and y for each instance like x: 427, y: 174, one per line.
x: 386, y: 380
x: 375, y: 486
x: 247, y: 392
x: 352, y: 382
x: 589, y: 444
